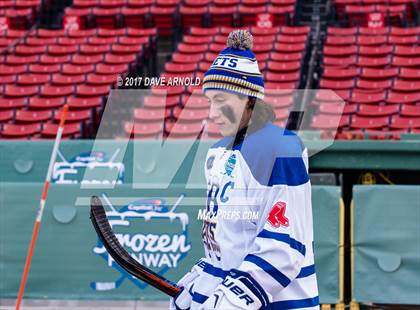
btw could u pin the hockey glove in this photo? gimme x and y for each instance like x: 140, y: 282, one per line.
x: 237, y: 291
x: 183, y: 300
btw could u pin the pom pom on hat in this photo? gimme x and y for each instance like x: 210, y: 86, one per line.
x: 240, y: 39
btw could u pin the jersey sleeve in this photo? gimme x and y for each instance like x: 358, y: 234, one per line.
x: 277, y: 254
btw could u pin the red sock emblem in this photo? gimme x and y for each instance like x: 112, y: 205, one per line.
x: 277, y: 215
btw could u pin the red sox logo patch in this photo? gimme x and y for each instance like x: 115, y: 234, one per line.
x: 277, y: 216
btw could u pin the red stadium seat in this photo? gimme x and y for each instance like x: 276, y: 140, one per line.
x: 184, y: 130
x: 360, y: 97
x: 102, y: 40
x: 79, y: 59
x: 94, y: 49
x: 16, y: 60
x: 10, y: 70
x: 61, y: 79
x: 410, y: 110
x: 74, y: 116
x: 6, y: 115
x: 398, y: 122
x: 19, y: 131
x: 133, y: 40
x: 143, y: 130
x: 39, y: 103
x: 20, y: 91
x: 279, y: 101
x: 54, y: 60
x: 181, y: 68
x: 371, y: 40
x: 334, y: 73
x: 377, y: 110
x: 32, y: 79
x: 12, y: 103
x: 335, y: 31
x: 149, y: 115
x: 359, y: 122
x: 222, y: 16
x: 278, y: 56
x: 50, y: 130
x: 110, y: 69
x: 135, y: 17
x: 398, y: 61
x: 186, y: 58
x: 409, y: 73
x: 26, y: 50
x: 99, y: 79
x: 403, y: 40
x: 283, y: 66
x: 46, y: 69
x: 192, y: 16
x: 105, y: 32
x: 337, y: 84
x: 374, y: 51
x: 59, y: 50
x: 195, y: 101
x: 376, y: 73
x: 326, y: 121
x: 340, y: 51
x: 126, y: 49
x: 335, y: 108
x: 71, y: 69
x: 397, y: 31
x: 89, y: 90
x: 81, y: 103
x: 192, y: 115
x: 23, y: 116
x: 70, y: 41
x: 407, y: 51
x: 196, y: 31
x: 339, y: 62
x: 120, y: 59
x: 56, y: 91
x: 157, y: 102
x: 406, y: 86
x: 374, y: 84
x: 396, y: 97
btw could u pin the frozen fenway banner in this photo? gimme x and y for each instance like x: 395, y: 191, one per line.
x: 159, y: 228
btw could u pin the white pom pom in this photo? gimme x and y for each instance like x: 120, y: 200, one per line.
x: 240, y: 39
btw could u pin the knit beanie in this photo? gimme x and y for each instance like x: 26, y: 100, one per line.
x: 236, y: 68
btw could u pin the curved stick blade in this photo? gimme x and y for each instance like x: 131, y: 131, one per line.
x: 121, y: 256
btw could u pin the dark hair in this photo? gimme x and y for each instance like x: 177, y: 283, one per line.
x: 262, y: 112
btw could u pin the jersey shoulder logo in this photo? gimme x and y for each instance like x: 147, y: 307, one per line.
x: 277, y: 216
x: 230, y: 164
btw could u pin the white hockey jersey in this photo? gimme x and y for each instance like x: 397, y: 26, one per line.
x: 259, y: 219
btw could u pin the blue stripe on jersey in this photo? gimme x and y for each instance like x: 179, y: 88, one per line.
x: 269, y: 269
x: 289, y: 171
x: 306, y: 271
x: 294, y: 244
x: 294, y: 304
x: 273, y: 155
x: 215, y: 271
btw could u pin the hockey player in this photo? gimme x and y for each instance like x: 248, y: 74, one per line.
x: 264, y: 262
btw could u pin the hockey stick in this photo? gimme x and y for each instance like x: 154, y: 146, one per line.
x: 121, y: 256
x: 42, y: 203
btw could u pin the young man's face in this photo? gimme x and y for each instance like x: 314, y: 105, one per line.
x: 227, y: 111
